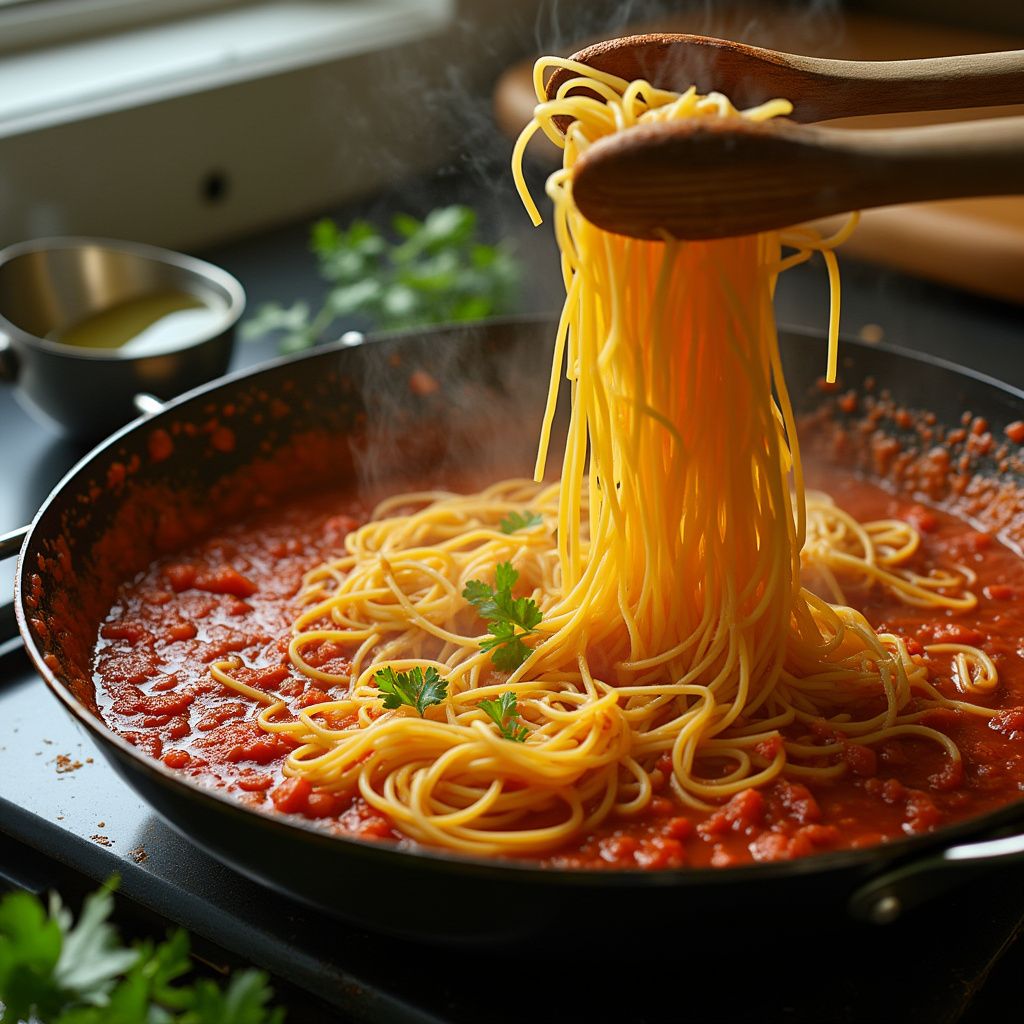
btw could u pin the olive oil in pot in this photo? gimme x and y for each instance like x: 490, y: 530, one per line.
x: 146, y: 325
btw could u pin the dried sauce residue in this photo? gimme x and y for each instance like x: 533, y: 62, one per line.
x: 66, y: 763
x: 974, y: 471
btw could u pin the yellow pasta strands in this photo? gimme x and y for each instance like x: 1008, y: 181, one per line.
x: 666, y: 562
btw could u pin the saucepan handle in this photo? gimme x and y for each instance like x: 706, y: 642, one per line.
x: 8, y: 360
x: 887, y: 896
x: 147, y: 404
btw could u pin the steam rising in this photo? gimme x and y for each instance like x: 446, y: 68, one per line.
x: 793, y: 25
x: 489, y: 406
x: 482, y: 422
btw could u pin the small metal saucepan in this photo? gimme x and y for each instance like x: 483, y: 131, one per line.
x: 48, y: 286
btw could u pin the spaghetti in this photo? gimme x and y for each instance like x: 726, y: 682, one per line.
x: 675, y: 637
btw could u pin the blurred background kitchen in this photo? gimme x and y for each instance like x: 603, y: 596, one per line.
x: 226, y: 129
x: 348, y: 162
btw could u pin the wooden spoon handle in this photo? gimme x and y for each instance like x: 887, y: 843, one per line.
x: 843, y: 88
x: 818, y: 88
x: 712, y: 178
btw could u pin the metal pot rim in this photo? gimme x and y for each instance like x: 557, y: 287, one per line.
x: 225, y: 283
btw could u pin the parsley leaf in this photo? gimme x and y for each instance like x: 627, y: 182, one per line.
x: 504, y: 712
x: 243, y: 1001
x: 91, y: 956
x: 59, y: 972
x: 520, y: 521
x: 507, y: 647
x: 415, y: 688
x: 509, y: 619
x: 436, y: 272
x: 29, y: 950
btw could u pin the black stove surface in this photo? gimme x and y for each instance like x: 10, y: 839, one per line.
x: 66, y: 818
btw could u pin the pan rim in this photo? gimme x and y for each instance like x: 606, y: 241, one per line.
x: 882, y: 856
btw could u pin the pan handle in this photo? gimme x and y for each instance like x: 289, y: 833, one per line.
x: 887, y: 896
x: 11, y: 542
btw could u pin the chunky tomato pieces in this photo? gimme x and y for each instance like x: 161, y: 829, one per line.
x: 232, y: 597
x: 222, y: 579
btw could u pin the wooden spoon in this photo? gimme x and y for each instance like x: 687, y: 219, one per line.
x: 710, y: 178
x: 818, y: 88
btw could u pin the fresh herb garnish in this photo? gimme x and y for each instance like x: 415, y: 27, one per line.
x: 504, y: 712
x: 416, y: 688
x: 57, y: 972
x: 508, y: 618
x: 520, y: 521
x: 437, y: 272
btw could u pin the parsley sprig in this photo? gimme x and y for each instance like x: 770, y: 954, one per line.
x: 504, y: 712
x: 520, y: 521
x: 55, y: 971
x: 509, y: 619
x: 437, y: 271
x: 415, y: 688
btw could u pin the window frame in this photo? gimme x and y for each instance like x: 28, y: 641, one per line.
x: 27, y: 24
x: 196, y: 162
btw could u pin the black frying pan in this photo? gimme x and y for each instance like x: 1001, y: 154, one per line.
x: 353, y: 407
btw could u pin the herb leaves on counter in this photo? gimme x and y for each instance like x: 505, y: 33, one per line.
x: 437, y: 271
x: 54, y: 971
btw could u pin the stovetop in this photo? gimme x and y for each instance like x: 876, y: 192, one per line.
x: 67, y: 819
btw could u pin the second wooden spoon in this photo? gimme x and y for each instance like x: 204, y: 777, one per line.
x: 709, y: 178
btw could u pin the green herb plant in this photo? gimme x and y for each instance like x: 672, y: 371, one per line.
x: 54, y: 971
x: 504, y: 712
x: 415, y: 688
x: 437, y: 271
x: 509, y: 619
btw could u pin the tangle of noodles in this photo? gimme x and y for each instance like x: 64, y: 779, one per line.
x: 666, y: 562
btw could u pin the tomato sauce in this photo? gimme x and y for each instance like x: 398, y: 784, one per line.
x: 234, y: 593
